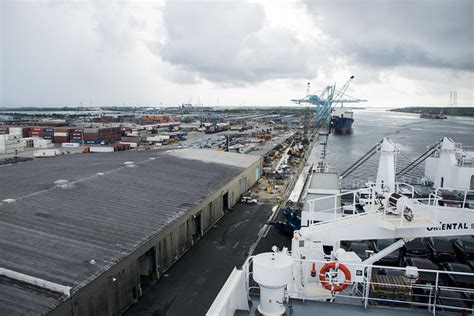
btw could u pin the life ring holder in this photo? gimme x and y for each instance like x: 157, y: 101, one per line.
x: 337, y: 266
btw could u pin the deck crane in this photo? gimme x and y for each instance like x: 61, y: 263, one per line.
x: 326, y: 99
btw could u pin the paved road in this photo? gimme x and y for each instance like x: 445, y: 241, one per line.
x: 190, y: 286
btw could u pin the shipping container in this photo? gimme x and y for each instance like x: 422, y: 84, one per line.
x: 67, y: 145
x: 60, y: 139
x: 46, y: 153
x: 101, y: 149
x: 90, y: 130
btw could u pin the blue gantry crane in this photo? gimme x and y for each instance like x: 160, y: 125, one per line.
x: 326, y: 99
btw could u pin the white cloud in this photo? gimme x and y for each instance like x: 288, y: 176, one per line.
x: 257, y: 52
x: 232, y: 42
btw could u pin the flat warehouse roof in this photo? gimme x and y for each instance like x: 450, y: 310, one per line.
x: 69, y: 235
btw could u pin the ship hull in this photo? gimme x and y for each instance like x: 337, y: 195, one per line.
x: 342, y: 125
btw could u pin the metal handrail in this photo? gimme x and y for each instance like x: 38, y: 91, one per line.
x: 430, y: 292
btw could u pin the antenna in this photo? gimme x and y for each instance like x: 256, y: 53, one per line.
x: 308, y: 89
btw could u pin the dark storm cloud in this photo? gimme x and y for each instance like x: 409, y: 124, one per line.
x: 231, y: 43
x: 384, y: 34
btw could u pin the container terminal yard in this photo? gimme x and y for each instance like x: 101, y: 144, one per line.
x: 148, y: 213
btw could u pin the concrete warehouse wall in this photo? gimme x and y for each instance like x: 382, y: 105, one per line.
x: 123, y: 283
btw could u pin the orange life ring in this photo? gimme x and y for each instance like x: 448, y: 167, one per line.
x: 337, y: 266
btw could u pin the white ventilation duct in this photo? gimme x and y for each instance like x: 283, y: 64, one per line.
x: 272, y: 271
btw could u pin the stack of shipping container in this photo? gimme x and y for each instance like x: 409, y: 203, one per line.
x: 62, y: 135
x: 40, y: 131
x: 77, y: 135
x: 105, y: 135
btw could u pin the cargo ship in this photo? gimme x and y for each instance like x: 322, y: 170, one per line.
x: 341, y: 120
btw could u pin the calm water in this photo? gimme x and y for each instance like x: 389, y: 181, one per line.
x: 412, y: 136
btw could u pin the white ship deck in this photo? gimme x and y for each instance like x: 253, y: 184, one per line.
x: 299, y: 307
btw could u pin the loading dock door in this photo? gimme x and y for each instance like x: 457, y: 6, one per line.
x: 243, y: 185
x: 147, y: 268
x: 225, y: 201
x: 196, y: 227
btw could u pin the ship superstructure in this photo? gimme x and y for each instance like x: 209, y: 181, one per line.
x: 318, y: 269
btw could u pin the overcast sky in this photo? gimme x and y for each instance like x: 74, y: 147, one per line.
x: 62, y: 53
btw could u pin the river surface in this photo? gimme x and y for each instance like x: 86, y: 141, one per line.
x: 411, y: 135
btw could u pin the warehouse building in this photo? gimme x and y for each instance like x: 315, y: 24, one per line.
x: 85, y: 234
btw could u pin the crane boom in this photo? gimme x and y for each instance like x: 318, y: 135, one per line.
x: 326, y: 100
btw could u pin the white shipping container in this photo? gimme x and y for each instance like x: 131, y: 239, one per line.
x: 157, y: 138
x: 16, y: 131
x: 61, y: 134
x: 42, y: 143
x: 46, y: 153
x: 27, y: 142
x: 10, y: 144
x: 101, y: 149
x: 70, y: 144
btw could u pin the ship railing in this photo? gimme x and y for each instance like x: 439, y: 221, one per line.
x: 398, y: 287
x: 467, y: 197
x: 353, y: 202
x: 357, y: 183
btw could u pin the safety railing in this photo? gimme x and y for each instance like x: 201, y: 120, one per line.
x: 465, y: 197
x: 352, y: 203
x: 431, y: 290
x: 361, y: 201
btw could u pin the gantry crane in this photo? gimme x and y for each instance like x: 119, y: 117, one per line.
x: 326, y: 99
